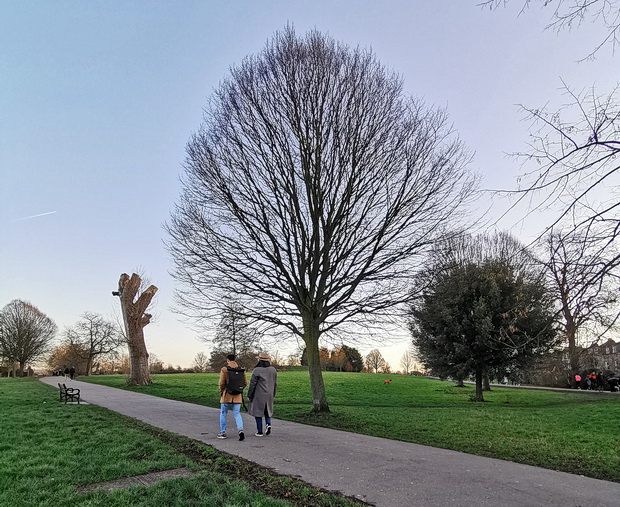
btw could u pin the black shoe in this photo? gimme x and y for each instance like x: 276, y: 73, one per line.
x: 241, y: 435
x: 268, y: 430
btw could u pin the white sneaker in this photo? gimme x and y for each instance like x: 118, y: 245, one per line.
x: 258, y: 434
x: 268, y: 430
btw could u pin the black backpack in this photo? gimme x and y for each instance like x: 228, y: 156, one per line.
x: 235, y: 383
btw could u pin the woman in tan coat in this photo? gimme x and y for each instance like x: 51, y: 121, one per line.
x: 227, y: 399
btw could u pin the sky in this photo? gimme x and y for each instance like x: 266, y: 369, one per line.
x: 99, y: 98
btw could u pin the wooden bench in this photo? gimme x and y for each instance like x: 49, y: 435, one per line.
x: 68, y: 393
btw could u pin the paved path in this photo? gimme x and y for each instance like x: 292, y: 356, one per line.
x: 379, y: 471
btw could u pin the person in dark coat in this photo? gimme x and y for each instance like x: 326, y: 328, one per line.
x: 262, y: 391
x: 72, y: 373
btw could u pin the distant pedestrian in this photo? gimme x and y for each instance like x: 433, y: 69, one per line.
x: 72, y: 373
x: 228, y: 399
x: 66, y: 372
x: 591, y: 381
x: 262, y: 391
x: 600, y: 382
x: 577, y: 381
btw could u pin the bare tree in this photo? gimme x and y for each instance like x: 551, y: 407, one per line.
x: 407, y: 361
x: 235, y: 332
x: 375, y: 361
x: 134, y: 304
x: 576, y: 148
x: 201, y: 362
x: 586, y: 289
x: 311, y: 183
x: 569, y: 14
x: 94, y: 337
x: 26, y: 333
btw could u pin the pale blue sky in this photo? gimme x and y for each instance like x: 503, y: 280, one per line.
x: 98, y: 98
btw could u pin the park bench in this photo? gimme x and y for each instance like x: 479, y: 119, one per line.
x: 68, y: 393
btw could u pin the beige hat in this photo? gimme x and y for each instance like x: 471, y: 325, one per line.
x: 263, y: 356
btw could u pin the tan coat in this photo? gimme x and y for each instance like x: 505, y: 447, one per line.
x: 225, y: 396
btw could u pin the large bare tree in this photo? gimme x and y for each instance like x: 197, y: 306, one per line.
x: 309, y: 190
x: 586, y: 288
x: 26, y: 333
x: 135, y: 301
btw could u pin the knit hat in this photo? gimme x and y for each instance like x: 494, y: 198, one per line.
x: 263, y: 356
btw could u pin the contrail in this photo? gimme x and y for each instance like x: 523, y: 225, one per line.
x: 35, y: 216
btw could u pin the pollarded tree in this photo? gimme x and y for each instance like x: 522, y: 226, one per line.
x: 135, y: 301
x: 93, y: 337
x: 479, y: 311
x: 312, y: 186
x: 26, y: 333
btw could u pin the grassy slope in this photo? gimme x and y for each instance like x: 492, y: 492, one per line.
x: 573, y: 432
x: 48, y: 449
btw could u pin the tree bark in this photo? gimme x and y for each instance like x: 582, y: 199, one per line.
x: 486, y: 382
x: 135, y: 319
x: 317, y: 387
x: 479, y: 376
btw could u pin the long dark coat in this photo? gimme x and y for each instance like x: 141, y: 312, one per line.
x: 263, y: 386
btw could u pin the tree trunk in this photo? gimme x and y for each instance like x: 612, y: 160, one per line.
x: 479, y: 375
x: 571, y: 335
x: 311, y: 338
x: 89, y: 366
x: 135, y: 319
x: 487, y: 382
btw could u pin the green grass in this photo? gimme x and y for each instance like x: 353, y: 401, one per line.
x: 573, y: 432
x: 49, y: 449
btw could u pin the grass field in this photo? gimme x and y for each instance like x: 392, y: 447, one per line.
x: 573, y: 432
x: 48, y: 450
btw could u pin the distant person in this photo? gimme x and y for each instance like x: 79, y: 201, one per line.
x: 231, y: 395
x: 262, y: 391
x: 66, y: 372
x: 72, y: 373
x: 600, y: 382
x: 591, y: 381
x: 577, y: 381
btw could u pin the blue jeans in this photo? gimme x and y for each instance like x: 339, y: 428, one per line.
x: 259, y: 421
x: 236, y: 410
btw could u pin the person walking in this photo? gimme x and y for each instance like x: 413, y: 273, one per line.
x: 228, y: 398
x: 577, y: 381
x: 72, y: 373
x: 262, y: 391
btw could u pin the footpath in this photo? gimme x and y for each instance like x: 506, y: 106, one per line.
x: 379, y: 471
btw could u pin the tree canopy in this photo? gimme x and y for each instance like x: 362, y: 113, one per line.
x: 26, y: 333
x: 310, y: 186
x: 477, y: 313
